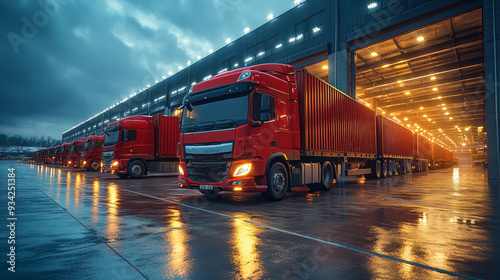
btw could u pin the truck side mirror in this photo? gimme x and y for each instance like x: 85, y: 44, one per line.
x: 264, y: 117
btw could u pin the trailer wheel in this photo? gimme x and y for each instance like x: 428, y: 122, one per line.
x: 94, y: 165
x: 327, y: 177
x: 384, y: 169
x: 136, y: 169
x: 408, y: 166
x: 277, y: 182
x: 390, y: 166
x: 376, y: 170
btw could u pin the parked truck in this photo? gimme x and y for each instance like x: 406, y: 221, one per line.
x: 136, y: 145
x: 267, y: 128
x: 75, y: 152
x: 423, y: 153
x: 91, y: 153
x: 65, y: 153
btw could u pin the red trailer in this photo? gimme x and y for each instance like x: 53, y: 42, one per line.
x: 423, y: 152
x: 394, y: 146
x: 442, y: 157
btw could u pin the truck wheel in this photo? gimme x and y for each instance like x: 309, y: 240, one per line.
x: 94, y: 165
x: 390, y: 166
x: 327, y: 177
x: 402, y: 167
x: 277, y: 182
x: 136, y: 169
x: 123, y: 176
x: 384, y: 169
x: 408, y: 166
x: 376, y: 170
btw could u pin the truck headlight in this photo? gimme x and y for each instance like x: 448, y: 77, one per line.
x: 84, y: 162
x: 243, y: 169
x: 181, y: 171
x: 115, y: 163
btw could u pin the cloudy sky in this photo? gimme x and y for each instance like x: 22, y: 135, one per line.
x: 65, y: 60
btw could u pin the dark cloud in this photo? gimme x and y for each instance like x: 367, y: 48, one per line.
x: 64, y: 62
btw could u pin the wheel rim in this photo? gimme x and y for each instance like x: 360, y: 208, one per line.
x: 136, y: 170
x: 378, y: 168
x: 95, y: 165
x: 278, y: 181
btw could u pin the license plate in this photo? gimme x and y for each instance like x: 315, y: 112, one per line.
x: 206, y: 187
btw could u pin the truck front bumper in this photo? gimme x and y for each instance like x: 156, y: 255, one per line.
x: 247, y: 183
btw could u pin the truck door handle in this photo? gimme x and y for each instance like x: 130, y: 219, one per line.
x: 274, y: 144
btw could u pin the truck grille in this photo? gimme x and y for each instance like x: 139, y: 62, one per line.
x: 107, y: 159
x: 208, y: 171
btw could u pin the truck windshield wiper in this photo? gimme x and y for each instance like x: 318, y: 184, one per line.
x: 208, y: 125
x: 225, y: 123
x: 191, y: 127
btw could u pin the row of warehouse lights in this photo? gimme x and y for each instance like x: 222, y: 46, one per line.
x: 246, y: 30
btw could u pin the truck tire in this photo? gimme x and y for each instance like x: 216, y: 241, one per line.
x: 94, y: 165
x: 277, y: 182
x: 327, y: 177
x: 136, y: 169
x: 408, y: 166
x: 384, y: 169
x: 402, y: 167
x: 390, y: 167
x: 376, y: 170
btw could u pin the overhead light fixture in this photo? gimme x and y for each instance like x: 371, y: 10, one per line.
x: 433, y: 78
x: 447, y: 113
x: 385, y: 66
x: 279, y: 46
x: 270, y: 16
x: 420, y: 38
x: 405, y: 119
x: 421, y: 108
x: 198, y: 57
x: 444, y: 108
x: 451, y: 118
x: 325, y: 66
x: 374, y: 54
x: 210, y: 50
x: 407, y: 93
x: 429, y: 119
x: 399, y: 81
x: 228, y: 40
x: 372, y: 5
x: 246, y: 30
x: 439, y: 97
x: 435, y: 89
x: 425, y: 116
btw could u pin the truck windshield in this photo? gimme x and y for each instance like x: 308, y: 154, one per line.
x: 216, y: 114
x: 111, y: 137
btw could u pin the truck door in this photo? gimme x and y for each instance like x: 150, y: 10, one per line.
x: 263, y: 113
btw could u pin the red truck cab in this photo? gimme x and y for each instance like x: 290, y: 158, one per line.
x: 92, y: 152
x: 75, y: 152
x: 65, y: 153
x: 137, y: 144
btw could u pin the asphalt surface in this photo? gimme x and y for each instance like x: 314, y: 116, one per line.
x: 74, y: 224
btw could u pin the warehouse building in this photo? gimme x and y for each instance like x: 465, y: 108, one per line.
x: 431, y: 65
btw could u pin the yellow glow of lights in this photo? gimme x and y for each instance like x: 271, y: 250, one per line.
x: 444, y: 108
x: 243, y: 169
x: 421, y: 108
x: 408, y: 125
x: 385, y: 66
x: 463, y: 144
x: 466, y: 129
x: 407, y: 93
x: 435, y: 89
x: 374, y: 54
x: 237, y: 189
x: 439, y: 97
x: 440, y: 129
x: 405, y: 119
x: 420, y: 38
x: 433, y: 78
x: 399, y: 82
x: 115, y: 163
x: 425, y: 116
x: 451, y: 118
x: 447, y: 113
x: 181, y: 171
x: 429, y: 119
x: 325, y: 67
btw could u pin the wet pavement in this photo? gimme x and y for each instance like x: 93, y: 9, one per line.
x: 74, y: 224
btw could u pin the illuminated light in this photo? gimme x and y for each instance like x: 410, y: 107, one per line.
x: 463, y: 144
x: 325, y: 66
x: 451, y: 118
x: 374, y: 54
x: 429, y: 119
x: 447, y: 113
x: 297, y: 2
x: 405, y: 119
x: 408, y: 125
x: 228, y: 40
x: 435, y: 89
x: 115, y: 163
x: 443, y: 104
x: 210, y: 51
x: 421, y: 108
x: 261, y: 53
x: 291, y: 40
x: 316, y: 29
x: 180, y: 68
x: 433, y: 78
x: 163, y: 77
x: 383, y: 112
x: 444, y: 108
x: 170, y: 73
x: 246, y: 30
x: 279, y: 46
x: 248, y: 59
x: 207, y: 77
x: 156, y: 81
x: 466, y: 129
x: 440, y: 129
x: 222, y: 71
x: 236, y: 65
x: 198, y: 57
x: 399, y: 82
x: 270, y: 16
x: 420, y: 39
x: 456, y: 126
x: 385, y: 66
x: 188, y: 63
x: 243, y: 169
x: 181, y: 171
x: 425, y: 116
x: 439, y: 97
x: 372, y: 5
x: 237, y: 189
x: 300, y: 36
x: 407, y: 93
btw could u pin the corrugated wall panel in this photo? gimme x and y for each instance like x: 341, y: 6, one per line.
x: 166, y: 135
x: 331, y: 121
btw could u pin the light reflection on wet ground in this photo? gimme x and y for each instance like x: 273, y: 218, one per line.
x: 444, y: 220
